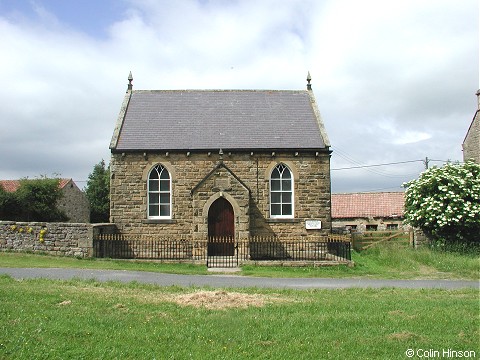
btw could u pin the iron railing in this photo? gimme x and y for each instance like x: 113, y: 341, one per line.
x: 299, y: 250
x: 122, y: 247
x: 226, y: 251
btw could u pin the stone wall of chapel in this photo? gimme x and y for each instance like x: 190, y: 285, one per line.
x: 311, y: 191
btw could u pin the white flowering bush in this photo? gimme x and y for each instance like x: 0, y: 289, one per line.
x: 445, y: 203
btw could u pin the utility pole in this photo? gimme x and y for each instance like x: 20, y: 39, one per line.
x: 425, y: 162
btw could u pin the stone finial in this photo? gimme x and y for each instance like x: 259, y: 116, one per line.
x: 309, y: 78
x: 478, y: 98
x: 130, y: 79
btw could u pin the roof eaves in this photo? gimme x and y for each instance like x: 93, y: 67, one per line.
x: 209, y: 149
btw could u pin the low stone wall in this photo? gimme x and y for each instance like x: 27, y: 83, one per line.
x: 61, y: 239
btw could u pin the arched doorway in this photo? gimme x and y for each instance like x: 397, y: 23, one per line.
x: 221, y: 228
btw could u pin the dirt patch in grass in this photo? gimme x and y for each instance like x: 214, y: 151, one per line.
x: 66, y: 302
x: 429, y: 272
x: 215, y: 300
x: 402, y: 314
x: 222, y: 300
x: 404, y: 335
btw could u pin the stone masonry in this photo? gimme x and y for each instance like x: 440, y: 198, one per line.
x: 74, y: 203
x: 199, y: 178
x: 471, y: 144
x: 64, y: 239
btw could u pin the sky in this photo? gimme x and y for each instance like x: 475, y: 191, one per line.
x: 395, y: 81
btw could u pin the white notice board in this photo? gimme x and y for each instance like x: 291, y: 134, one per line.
x: 313, y: 224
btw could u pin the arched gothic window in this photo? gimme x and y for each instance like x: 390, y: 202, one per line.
x: 159, y: 193
x: 281, y: 192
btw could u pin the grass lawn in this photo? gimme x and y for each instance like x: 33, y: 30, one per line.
x: 44, y: 319
x: 389, y: 261
x: 12, y: 259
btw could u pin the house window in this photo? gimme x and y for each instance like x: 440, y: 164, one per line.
x: 159, y: 193
x: 351, y: 227
x: 371, y: 227
x: 392, y: 226
x: 281, y: 192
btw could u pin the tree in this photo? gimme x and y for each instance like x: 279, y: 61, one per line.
x: 98, y: 193
x: 38, y: 200
x: 445, y: 203
x: 9, y: 205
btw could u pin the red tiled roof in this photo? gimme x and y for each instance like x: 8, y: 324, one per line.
x: 362, y: 205
x: 63, y: 182
x: 10, y: 185
x: 13, y: 185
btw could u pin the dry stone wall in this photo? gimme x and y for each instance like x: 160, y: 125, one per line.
x: 63, y: 239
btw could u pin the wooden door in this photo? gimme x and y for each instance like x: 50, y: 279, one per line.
x: 221, y: 228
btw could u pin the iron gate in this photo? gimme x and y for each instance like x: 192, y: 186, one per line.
x: 222, y: 252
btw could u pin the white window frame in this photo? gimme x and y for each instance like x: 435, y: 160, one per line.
x: 281, y: 191
x: 159, y: 168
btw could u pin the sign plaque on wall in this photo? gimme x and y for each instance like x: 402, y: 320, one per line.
x: 313, y: 224
x: 222, y: 183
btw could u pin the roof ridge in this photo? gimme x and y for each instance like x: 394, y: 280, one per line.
x: 220, y: 90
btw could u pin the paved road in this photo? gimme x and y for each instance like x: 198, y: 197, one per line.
x: 232, y: 281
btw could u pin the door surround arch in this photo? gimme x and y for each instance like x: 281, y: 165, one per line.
x: 201, y: 207
x: 221, y: 219
x: 229, y: 198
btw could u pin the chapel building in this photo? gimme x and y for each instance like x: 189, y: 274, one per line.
x: 222, y: 163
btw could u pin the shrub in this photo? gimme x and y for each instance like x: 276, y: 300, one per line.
x: 9, y: 205
x: 35, y: 200
x: 445, y: 203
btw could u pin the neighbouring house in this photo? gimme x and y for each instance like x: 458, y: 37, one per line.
x: 471, y: 143
x: 220, y: 163
x: 73, y: 203
x: 367, y: 211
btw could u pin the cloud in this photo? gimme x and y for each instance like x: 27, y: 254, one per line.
x: 394, y: 80
x: 392, y: 133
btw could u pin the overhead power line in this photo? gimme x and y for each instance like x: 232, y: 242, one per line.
x: 377, y: 165
x: 356, y: 164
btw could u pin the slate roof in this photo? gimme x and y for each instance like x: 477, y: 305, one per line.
x: 214, y: 119
x: 364, y: 205
x: 13, y: 185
